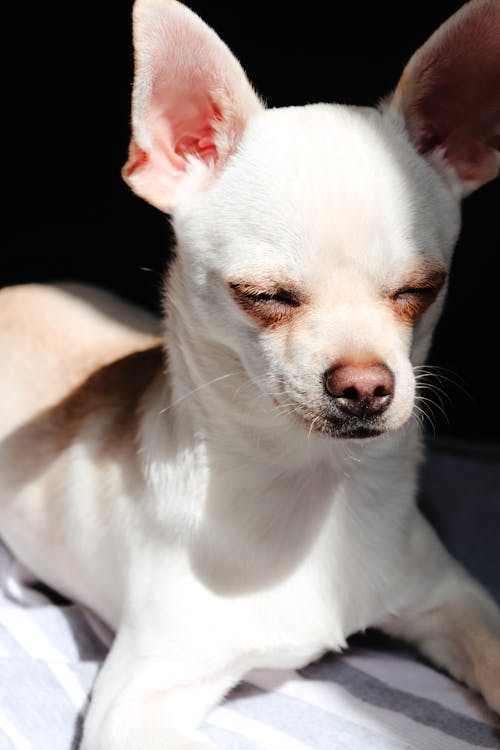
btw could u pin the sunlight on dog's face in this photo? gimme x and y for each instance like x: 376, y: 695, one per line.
x: 318, y: 259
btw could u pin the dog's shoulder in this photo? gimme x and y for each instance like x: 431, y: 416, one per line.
x: 58, y: 341
x: 113, y: 391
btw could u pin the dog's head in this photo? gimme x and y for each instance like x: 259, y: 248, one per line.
x: 314, y: 242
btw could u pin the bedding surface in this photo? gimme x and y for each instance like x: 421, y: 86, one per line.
x: 378, y: 695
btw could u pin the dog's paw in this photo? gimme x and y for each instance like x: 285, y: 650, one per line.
x: 493, y: 699
x: 488, y: 675
x: 490, y: 690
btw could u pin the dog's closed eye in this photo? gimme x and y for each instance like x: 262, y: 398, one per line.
x: 409, y: 302
x: 270, y: 305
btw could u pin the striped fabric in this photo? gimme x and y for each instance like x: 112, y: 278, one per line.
x: 373, y: 697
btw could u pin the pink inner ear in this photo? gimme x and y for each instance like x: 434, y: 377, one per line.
x: 459, y: 102
x: 471, y: 156
x: 451, y: 92
x: 191, y: 101
x: 182, y: 122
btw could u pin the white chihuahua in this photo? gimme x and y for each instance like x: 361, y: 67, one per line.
x: 242, y: 493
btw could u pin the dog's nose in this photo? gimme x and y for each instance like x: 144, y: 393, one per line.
x: 360, y: 390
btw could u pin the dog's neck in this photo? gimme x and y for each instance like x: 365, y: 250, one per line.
x: 251, y: 504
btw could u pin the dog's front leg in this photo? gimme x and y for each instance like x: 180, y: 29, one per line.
x: 448, y: 615
x: 148, y: 701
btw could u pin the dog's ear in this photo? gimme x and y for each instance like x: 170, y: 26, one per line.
x: 449, y: 96
x: 190, y: 103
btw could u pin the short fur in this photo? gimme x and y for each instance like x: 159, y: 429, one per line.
x: 206, y: 493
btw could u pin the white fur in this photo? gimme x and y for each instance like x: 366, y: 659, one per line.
x: 230, y: 533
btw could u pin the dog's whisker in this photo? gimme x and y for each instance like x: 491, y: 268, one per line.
x: 311, y: 427
x: 444, y: 375
x: 433, y: 385
x: 263, y: 394
x: 241, y: 388
x: 435, y: 388
x: 282, y: 409
x: 432, y: 403
x: 195, y: 390
x: 349, y: 454
x: 272, y: 396
x: 427, y: 400
x: 422, y: 417
x: 437, y: 392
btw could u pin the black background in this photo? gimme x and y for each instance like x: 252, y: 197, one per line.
x: 67, y: 86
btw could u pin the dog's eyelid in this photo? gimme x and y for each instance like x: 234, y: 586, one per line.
x: 411, y: 300
x: 268, y: 303
x: 427, y: 286
x: 276, y: 293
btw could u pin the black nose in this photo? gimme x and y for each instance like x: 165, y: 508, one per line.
x: 360, y: 390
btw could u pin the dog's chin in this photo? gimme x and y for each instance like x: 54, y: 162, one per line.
x: 324, y: 423
x: 342, y: 428
x: 350, y: 429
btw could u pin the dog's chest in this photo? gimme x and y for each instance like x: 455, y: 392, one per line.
x: 275, y: 584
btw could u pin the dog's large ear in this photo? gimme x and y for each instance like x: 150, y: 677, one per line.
x: 449, y: 96
x: 190, y: 103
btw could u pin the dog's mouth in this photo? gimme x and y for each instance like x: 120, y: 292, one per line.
x: 351, y: 429
x: 321, y: 421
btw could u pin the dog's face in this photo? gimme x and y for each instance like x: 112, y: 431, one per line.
x: 324, y: 280
x: 314, y: 242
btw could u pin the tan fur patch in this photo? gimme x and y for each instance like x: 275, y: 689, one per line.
x: 54, y: 337
x: 418, y: 292
x: 109, y: 398
x: 269, y: 304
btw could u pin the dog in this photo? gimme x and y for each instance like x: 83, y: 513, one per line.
x: 236, y: 488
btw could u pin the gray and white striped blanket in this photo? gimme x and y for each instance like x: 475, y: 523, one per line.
x: 370, y: 698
